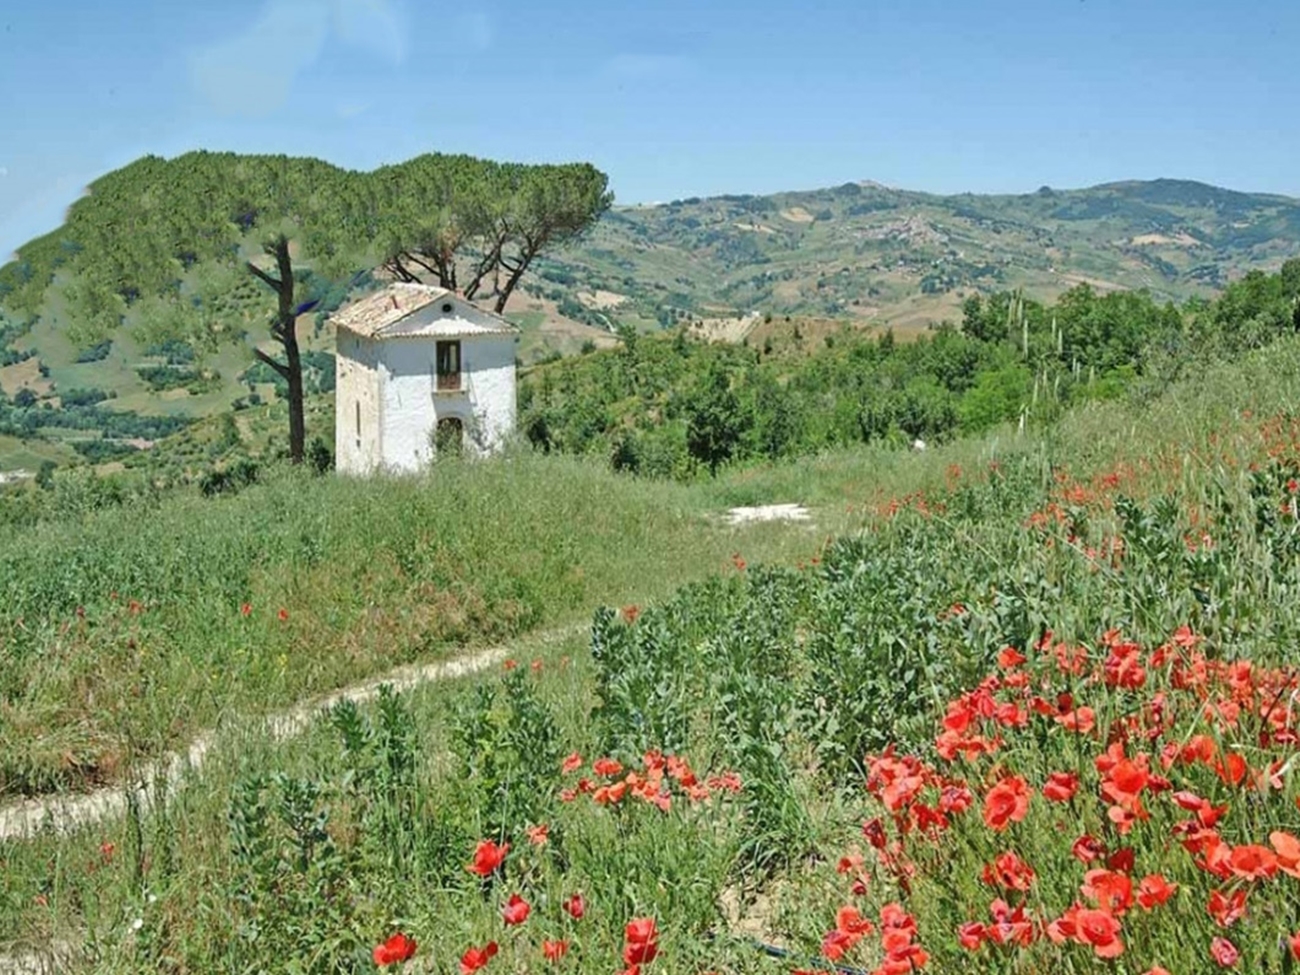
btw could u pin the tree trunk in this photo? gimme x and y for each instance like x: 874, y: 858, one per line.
x: 288, y: 329
x: 297, y: 423
x: 527, y: 252
x: 285, y: 332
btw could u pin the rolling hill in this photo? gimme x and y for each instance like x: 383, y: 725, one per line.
x: 860, y: 253
x: 896, y: 257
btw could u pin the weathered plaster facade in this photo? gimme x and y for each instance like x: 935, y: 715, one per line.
x: 389, y: 397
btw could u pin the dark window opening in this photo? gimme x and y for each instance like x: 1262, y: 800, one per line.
x: 448, y: 365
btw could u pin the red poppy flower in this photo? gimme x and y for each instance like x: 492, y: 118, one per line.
x: 282, y: 615
x: 850, y: 920
x: 396, y: 949
x: 1100, y: 929
x: 726, y: 782
x: 554, y: 950
x: 575, y: 907
x: 1124, y: 782
x: 641, y: 941
x: 606, y: 766
x: 1252, y: 862
x: 1007, y: 802
x: 874, y: 831
x: 1061, y: 786
x: 572, y: 762
x: 1154, y: 890
x: 537, y: 835
x: 245, y: 609
x: 608, y: 795
x: 1232, y: 769
x: 1009, y: 657
x: 1010, y: 925
x: 1086, y: 849
x: 836, y: 943
x: 488, y: 856
x: 1224, y: 952
x: 1121, y: 860
x: 516, y: 910
x: 1066, y: 927
x: 1081, y: 720
x: 1294, y: 943
x: 1226, y: 909
x: 971, y: 935
x: 1009, y: 871
x: 1111, y: 890
x: 1288, y: 852
x: 476, y: 958
x: 894, y: 918
x: 904, y: 960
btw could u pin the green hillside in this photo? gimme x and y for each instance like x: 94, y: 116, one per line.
x: 858, y: 255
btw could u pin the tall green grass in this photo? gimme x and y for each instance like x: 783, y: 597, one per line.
x: 122, y: 631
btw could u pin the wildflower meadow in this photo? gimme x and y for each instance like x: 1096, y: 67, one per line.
x: 1037, y: 714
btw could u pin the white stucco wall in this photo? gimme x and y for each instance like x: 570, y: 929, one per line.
x: 410, y: 407
x: 490, y: 367
x: 356, y: 385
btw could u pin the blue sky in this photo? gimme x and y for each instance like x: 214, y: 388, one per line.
x: 671, y: 98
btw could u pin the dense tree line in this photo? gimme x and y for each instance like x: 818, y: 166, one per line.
x: 678, y: 407
x: 25, y: 418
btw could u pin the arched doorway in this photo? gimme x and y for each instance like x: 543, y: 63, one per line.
x: 449, y: 435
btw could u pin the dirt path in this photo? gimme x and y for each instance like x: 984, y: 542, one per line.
x: 64, y: 813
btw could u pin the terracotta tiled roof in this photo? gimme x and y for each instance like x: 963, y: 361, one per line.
x: 399, y: 309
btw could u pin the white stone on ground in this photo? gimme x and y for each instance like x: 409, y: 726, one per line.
x: 768, y: 512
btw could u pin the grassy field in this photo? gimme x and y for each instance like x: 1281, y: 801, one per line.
x: 123, y: 633
x: 789, y: 667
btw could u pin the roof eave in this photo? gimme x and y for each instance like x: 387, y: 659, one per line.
x: 498, y: 333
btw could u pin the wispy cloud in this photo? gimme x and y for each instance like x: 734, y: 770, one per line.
x: 647, y: 66
x: 351, y: 108
x: 374, y: 25
x: 253, y: 72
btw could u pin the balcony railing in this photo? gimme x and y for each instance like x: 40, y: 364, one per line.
x: 448, y: 382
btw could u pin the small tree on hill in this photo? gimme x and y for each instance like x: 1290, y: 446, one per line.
x: 715, y: 422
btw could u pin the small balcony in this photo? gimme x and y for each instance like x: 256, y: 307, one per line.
x: 448, y: 382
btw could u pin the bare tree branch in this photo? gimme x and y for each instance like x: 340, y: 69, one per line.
x: 266, y: 278
x: 275, y: 364
x: 395, y: 265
